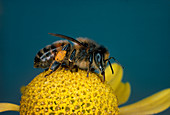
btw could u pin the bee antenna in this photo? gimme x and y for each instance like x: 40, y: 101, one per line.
x: 111, y: 67
x: 110, y: 63
x: 68, y: 38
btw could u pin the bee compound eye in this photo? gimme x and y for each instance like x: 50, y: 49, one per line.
x: 98, y: 57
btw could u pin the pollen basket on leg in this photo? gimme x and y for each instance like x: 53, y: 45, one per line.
x: 60, y: 56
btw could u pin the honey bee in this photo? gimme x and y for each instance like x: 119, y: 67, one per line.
x: 84, y: 54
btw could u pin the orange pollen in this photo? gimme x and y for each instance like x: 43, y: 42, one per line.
x: 60, y: 56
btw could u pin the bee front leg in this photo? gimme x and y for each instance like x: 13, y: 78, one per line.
x: 90, y: 63
x: 55, y: 65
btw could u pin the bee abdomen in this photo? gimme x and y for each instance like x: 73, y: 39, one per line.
x: 45, y: 56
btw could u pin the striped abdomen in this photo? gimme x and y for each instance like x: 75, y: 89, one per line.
x: 45, y: 56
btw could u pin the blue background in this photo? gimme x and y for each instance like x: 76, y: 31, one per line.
x: 137, y: 33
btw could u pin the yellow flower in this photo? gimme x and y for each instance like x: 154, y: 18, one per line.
x: 153, y: 104
x: 65, y: 92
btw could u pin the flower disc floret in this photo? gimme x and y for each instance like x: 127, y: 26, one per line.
x: 64, y: 92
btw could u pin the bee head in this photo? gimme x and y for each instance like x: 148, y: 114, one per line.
x: 99, y: 57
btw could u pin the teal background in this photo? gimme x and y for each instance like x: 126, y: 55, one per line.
x: 137, y: 33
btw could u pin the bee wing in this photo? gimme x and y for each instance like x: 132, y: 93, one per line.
x: 68, y: 38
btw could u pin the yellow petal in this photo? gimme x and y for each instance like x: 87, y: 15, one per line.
x: 22, y: 89
x: 114, y: 79
x: 123, y: 92
x: 8, y: 107
x: 151, y: 105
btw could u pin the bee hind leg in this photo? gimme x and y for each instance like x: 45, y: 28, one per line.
x: 55, y: 65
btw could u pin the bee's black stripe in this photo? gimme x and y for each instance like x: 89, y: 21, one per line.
x: 36, y: 59
x: 53, y: 46
x: 40, y: 53
x: 46, y: 49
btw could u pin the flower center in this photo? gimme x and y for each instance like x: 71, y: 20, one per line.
x: 65, y: 92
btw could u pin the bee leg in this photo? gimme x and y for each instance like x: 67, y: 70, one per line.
x: 103, y: 73
x: 90, y: 63
x: 75, y: 68
x: 92, y: 70
x: 71, y: 59
x: 65, y: 65
x: 66, y: 47
x: 72, y: 67
x: 46, y: 69
x: 55, y: 65
x: 72, y: 56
